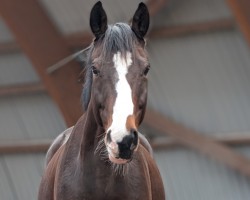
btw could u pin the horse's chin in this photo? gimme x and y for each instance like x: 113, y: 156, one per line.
x: 118, y: 161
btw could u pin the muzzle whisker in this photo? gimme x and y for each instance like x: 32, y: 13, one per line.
x: 100, y: 146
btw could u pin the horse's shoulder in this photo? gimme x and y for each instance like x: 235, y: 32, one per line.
x: 46, y: 189
x: 144, y: 142
x: 60, y: 140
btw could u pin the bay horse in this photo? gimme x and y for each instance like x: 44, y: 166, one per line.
x: 104, y: 157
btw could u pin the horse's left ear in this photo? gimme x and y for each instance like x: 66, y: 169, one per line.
x: 98, y: 20
x: 140, y: 22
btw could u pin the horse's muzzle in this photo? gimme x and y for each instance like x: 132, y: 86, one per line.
x: 122, y: 152
x: 128, y: 145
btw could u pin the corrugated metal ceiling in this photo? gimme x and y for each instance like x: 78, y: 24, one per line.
x: 16, y: 68
x: 192, y: 11
x: 202, y: 81
x: 29, y: 117
x: 190, y: 176
x: 20, y: 176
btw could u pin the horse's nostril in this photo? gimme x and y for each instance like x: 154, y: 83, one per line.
x: 128, y: 144
x: 134, y: 135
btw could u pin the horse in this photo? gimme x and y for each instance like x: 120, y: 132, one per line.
x: 104, y: 157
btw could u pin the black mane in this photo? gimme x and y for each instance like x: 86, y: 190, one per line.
x: 118, y: 37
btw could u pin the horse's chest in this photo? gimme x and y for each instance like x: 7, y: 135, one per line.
x: 113, y: 189
x: 102, y: 186
x: 127, y: 189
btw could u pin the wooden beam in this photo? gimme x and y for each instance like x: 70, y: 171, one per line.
x: 79, y: 40
x: 31, y: 146
x: 169, y: 142
x: 18, y: 89
x: 191, y: 29
x: 241, y: 11
x: 199, y: 142
x: 44, y: 45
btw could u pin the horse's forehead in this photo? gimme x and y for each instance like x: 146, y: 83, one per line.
x: 112, y: 60
x: 122, y: 62
x: 137, y: 56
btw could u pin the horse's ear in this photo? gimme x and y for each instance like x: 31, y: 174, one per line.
x: 140, y: 22
x: 98, y: 20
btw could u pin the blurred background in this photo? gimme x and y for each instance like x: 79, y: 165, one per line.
x: 198, y: 120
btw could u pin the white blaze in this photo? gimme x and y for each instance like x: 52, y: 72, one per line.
x: 123, y: 106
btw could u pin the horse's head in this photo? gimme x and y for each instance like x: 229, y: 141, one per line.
x: 119, y: 66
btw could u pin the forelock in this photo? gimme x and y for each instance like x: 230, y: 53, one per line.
x: 118, y: 37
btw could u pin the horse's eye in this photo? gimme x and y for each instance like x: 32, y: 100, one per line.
x: 146, y: 70
x: 95, y: 71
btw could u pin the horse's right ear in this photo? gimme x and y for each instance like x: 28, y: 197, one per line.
x: 98, y: 20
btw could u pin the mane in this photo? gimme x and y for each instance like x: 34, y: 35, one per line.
x: 118, y: 37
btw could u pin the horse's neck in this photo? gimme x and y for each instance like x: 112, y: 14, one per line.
x: 91, y: 164
x: 89, y: 130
